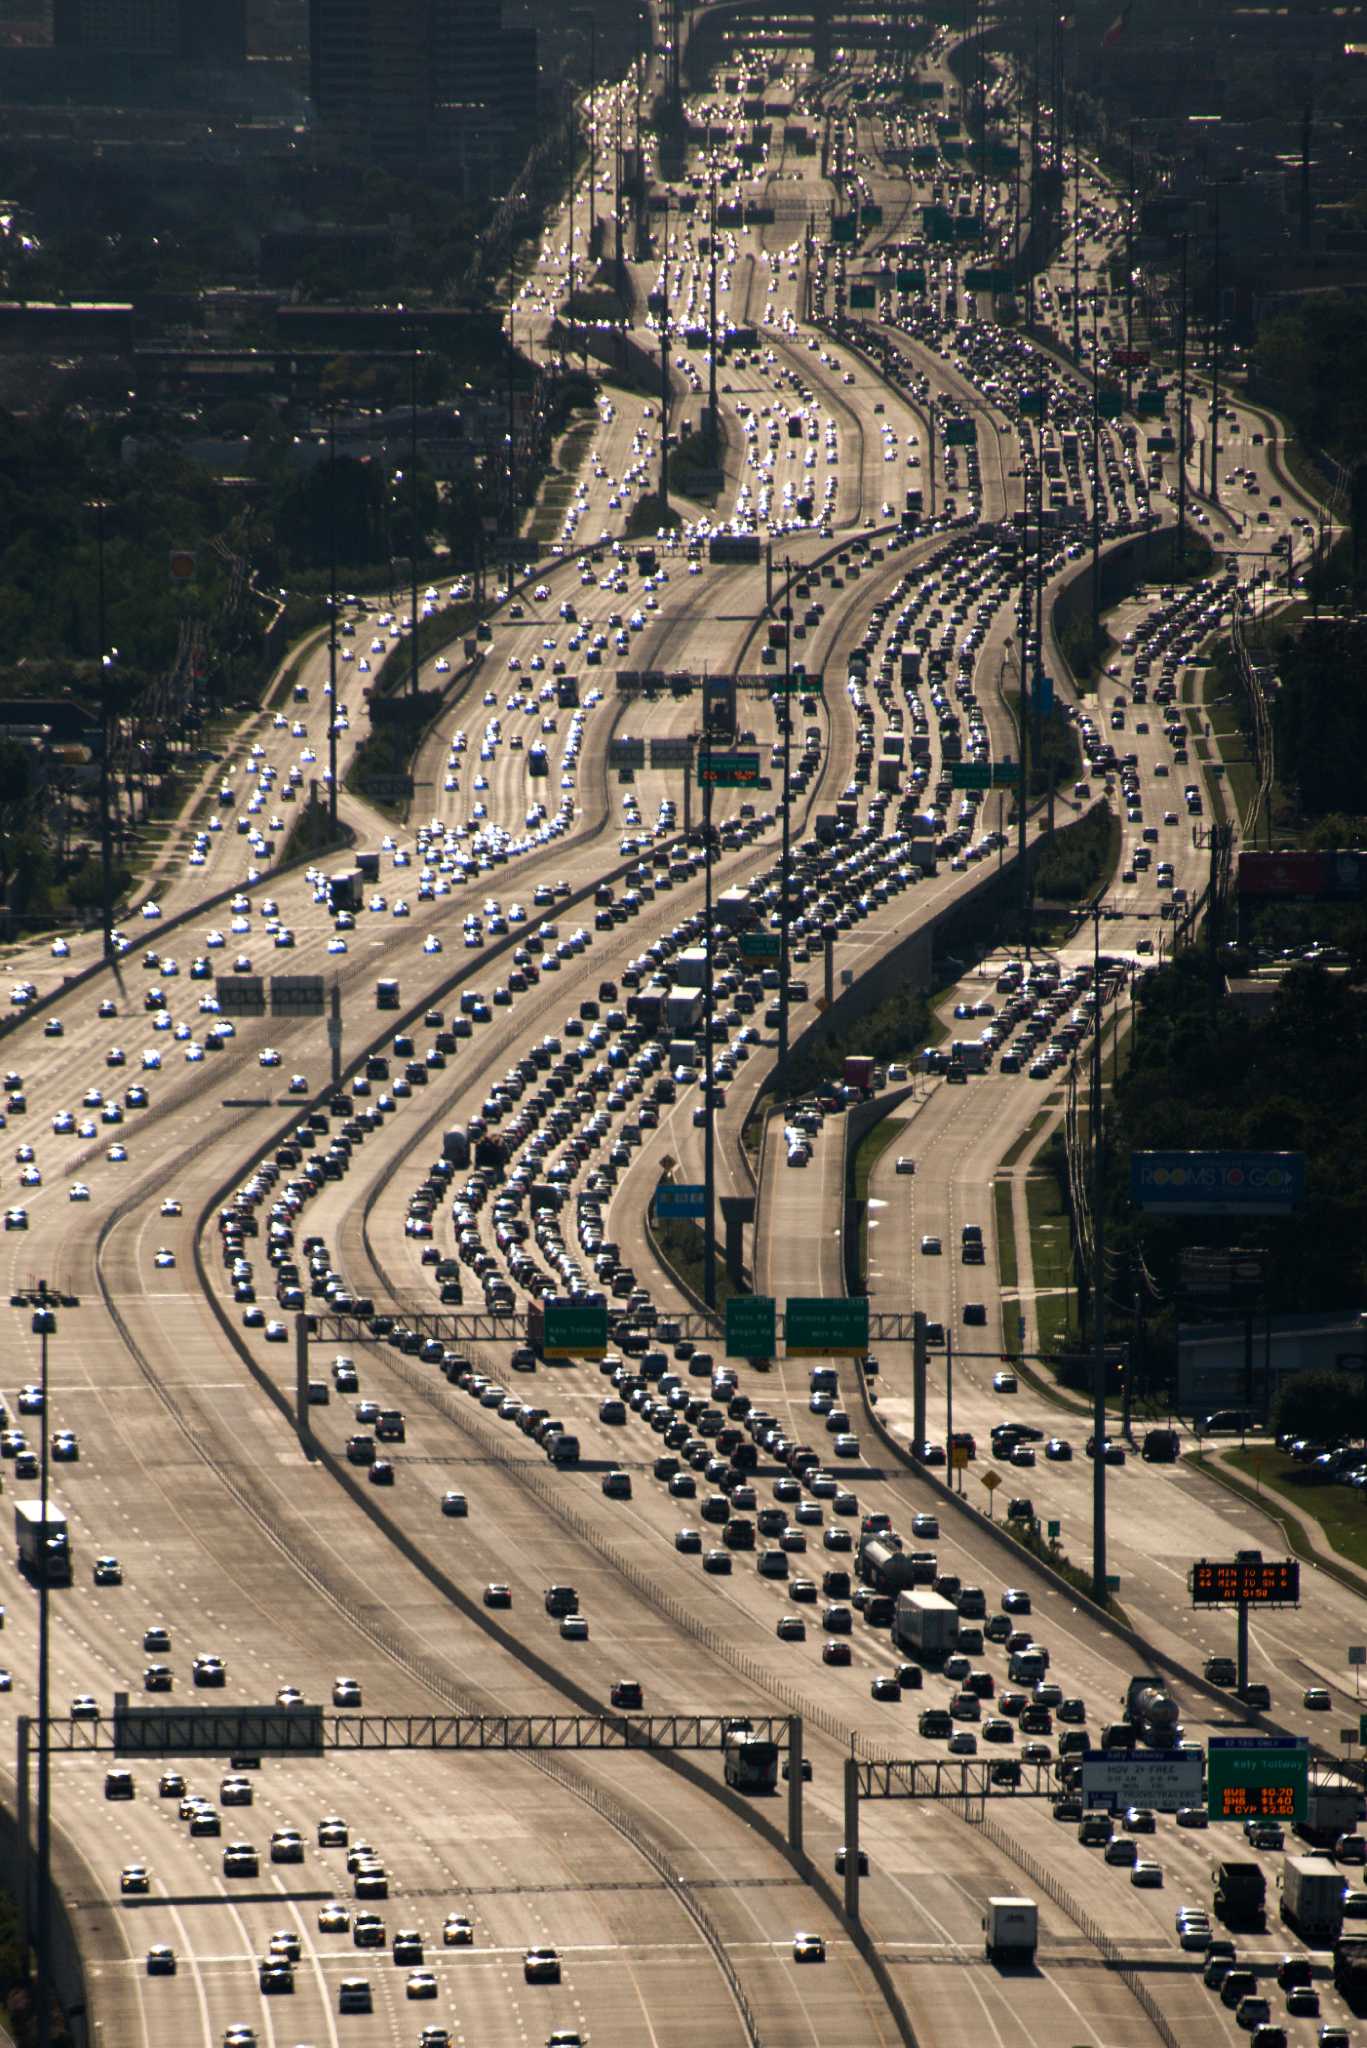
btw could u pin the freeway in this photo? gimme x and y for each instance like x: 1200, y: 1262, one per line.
x: 294, y: 1563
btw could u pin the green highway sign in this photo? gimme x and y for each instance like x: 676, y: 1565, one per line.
x: 1149, y: 404
x: 863, y: 296
x: 1005, y: 774
x: 911, y: 280
x: 1052, y: 1530
x: 815, y: 1325
x: 760, y: 946
x: 1110, y: 403
x: 982, y: 278
x: 1257, y: 1777
x: 1032, y: 404
x: 750, y: 1325
x: 728, y: 771
x: 843, y: 227
x: 572, y: 1331
x: 970, y: 774
x: 961, y: 434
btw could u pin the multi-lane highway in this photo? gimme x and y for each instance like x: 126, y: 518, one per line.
x: 190, y: 1179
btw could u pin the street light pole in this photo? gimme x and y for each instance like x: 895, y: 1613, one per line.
x: 1098, y: 1288
x: 98, y: 507
x: 786, y: 870
x: 709, y: 1241
x: 44, y: 1325
x: 332, y: 618
x: 413, y: 509
x: 713, y: 423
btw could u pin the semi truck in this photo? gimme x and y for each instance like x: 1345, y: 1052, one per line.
x: 1333, y: 1807
x: 1240, y: 1893
x: 858, y: 1071
x: 1312, y: 1899
x: 1010, y: 1930
x: 889, y: 774
x: 43, y: 1542
x: 1350, y: 1968
x: 368, y: 866
x: 344, y: 890
x: 887, y: 1568
x: 926, y: 1625
x: 683, y: 1010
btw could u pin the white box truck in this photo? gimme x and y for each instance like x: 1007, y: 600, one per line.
x: 1011, y: 1930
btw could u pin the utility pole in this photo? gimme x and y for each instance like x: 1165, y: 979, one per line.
x: 593, y: 132
x: 332, y: 617
x: 1180, y: 535
x: 786, y: 862
x: 1098, y: 1288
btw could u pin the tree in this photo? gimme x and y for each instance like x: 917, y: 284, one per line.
x: 1321, y: 1403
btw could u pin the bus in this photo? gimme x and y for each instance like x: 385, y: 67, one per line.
x: 386, y: 995
x: 751, y: 1763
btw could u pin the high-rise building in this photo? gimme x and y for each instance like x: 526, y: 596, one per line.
x: 399, y: 75
x: 198, y: 31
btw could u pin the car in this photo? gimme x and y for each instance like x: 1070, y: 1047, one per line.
x: 1317, y: 1698
x: 574, y: 1628
x: 108, y: 1571
x: 455, y: 1504
x: 841, y: 1858
x: 161, y: 1960
x: 541, y: 1966
x: 1147, y: 1874
x: 498, y: 1596
x: 334, y: 1917
x: 931, y: 1247
x: 925, y: 1525
x: 1192, y: 1817
x: 457, y: 1931
x: 420, y: 1984
x: 809, y: 1948
x: 134, y: 1880
x: 346, y: 1692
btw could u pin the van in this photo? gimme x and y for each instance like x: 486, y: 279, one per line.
x: 353, y: 1995
x: 1161, y: 1446
x: 772, y: 1564
x: 1026, y: 1667
x: 1226, y: 1422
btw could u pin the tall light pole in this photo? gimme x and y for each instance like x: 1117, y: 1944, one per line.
x: 1098, y: 1286
x: 786, y: 869
x: 44, y: 1326
x: 709, y: 1241
x: 413, y: 510
x: 332, y: 617
x: 713, y: 423
x: 99, y: 506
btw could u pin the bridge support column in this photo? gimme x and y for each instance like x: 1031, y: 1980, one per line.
x: 918, y: 1380
x: 737, y: 1211
x: 852, y: 1837
x: 795, y: 1764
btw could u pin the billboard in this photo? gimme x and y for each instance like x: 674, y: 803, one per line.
x: 1335, y: 877
x: 1217, y: 1183
x: 1141, y: 1777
